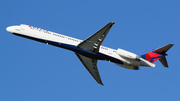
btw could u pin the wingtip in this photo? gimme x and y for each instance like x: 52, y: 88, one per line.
x: 112, y: 22
x: 171, y: 44
x: 102, y: 84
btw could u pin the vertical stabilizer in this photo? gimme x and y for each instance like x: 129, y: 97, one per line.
x: 163, y: 51
x: 158, y: 54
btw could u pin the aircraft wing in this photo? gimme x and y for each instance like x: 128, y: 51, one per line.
x: 91, y: 66
x: 93, y: 42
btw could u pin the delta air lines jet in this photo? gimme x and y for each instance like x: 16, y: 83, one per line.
x: 90, y: 49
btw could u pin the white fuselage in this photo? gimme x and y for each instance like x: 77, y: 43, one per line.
x: 129, y: 60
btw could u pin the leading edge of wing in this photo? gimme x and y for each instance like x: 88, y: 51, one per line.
x: 91, y: 66
x: 94, y: 41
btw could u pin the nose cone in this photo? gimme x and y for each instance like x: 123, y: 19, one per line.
x: 9, y: 29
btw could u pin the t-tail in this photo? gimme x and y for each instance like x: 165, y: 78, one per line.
x: 158, y: 54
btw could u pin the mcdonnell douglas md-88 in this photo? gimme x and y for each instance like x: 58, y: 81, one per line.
x: 90, y: 49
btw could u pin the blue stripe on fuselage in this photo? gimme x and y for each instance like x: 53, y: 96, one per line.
x: 75, y: 49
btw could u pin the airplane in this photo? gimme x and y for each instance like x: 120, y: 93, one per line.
x: 89, y: 51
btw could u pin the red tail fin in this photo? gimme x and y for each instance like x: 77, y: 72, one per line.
x: 157, y: 54
x: 152, y: 56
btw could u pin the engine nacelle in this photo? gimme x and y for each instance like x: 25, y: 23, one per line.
x: 127, y: 54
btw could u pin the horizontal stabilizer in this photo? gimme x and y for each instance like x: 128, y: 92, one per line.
x: 158, y: 54
x: 164, y: 61
x: 163, y: 49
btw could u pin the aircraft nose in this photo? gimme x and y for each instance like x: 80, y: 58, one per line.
x: 9, y: 29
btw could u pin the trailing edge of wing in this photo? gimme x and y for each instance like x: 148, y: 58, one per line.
x: 93, y: 42
x: 91, y: 66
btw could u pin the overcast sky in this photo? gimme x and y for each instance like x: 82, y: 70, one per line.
x: 33, y: 71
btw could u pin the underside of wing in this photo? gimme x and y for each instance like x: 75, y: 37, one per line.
x: 91, y: 66
x: 93, y: 42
